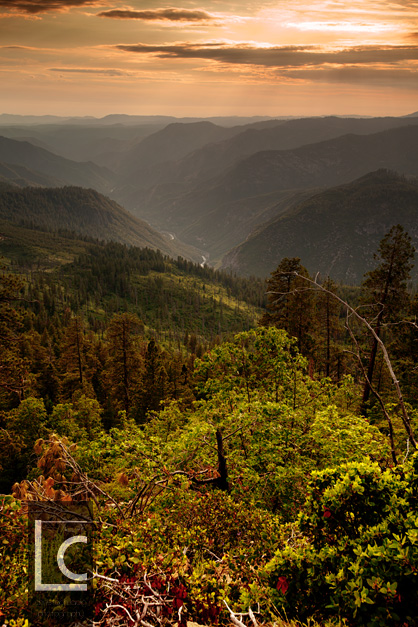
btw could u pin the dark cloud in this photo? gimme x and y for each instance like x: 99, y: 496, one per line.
x: 171, y: 15
x: 408, y: 4
x: 289, y: 56
x: 240, y: 54
x: 357, y: 76
x: 32, y: 7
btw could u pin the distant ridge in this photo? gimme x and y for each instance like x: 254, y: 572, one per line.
x: 64, y: 171
x: 231, y: 197
x: 128, y: 120
x: 83, y: 211
x: 19, y: 176
x: 171, y: 143
x: 11, y: 118
x: 336, y: 231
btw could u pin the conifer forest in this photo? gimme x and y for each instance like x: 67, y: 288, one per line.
x: 247, y: 448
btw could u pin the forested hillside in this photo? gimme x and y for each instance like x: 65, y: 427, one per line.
x: 334, y: 231
x: 235, y: 189
x: 173, y: 298
x: 261, y: 478
x: 227, y: 203
x: 43, y: 162
x: 85, y: 212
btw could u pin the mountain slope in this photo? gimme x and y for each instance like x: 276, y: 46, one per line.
x: 152, y: 187
x: 228, y: 224
x: 324, y: 164
x: 20, y: 176
x: 214, y: 158
x: 86, y: 212
x: 64, y: 171
x: 335, y: 231
x: 138, y: 166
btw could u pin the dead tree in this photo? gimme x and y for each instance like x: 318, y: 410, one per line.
x: 221, y: 480
x: 313, y: 283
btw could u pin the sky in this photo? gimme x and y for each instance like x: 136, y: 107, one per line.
x: 208, y: 58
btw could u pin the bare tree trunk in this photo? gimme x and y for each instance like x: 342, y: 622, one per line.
x: 370, y: 369
x: 222, y: 480
x: 80, y: 369
x: 404, y: 412
x: 372, y: 360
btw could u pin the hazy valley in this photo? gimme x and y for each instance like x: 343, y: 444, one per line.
x: 234, y: 193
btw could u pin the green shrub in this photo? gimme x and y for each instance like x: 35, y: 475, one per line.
x: 14, y: 560
x: 359, y: 556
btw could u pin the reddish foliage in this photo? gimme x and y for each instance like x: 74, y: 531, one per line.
x: 282, y: 585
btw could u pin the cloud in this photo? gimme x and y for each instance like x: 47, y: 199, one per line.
x: 33, y: 7
x: 358, y: 76
x: 170, y: 15
x: 107, y: 72
x: 276, y: 56
x: 408, y: 4
x: 342, y: 26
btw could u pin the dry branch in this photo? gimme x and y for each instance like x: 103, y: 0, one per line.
x: 404, y: 413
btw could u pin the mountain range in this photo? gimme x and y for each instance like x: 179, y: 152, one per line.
x: 334, y: 232
x: 206, y: 216
x: 149, y: 191
x: 85, y: 212
x: 221, y: 190
x: 60, y: 171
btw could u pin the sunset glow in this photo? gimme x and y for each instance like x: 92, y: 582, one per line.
x: 94, y: 57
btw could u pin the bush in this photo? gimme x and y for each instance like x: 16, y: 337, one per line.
x: 14, y: 560
x: 358, y: 556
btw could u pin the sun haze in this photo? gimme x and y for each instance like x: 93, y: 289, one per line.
x: 95, y: 57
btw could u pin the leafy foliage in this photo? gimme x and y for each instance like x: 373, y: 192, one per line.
x: 229, y: 478
x: 358, y: 555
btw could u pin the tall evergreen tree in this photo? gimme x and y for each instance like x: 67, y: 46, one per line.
x: 385, y: 288
x: 290, y: 302
x: 124, y: 364
x: 14, y: 370
x: 155, y: 384
x: 76, y: 360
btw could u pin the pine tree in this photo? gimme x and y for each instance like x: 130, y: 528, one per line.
x: 38, y: 351
x: 14, y: 371
x: 124, y: 363
x: 76, y: 361
x: 290, y: 303
x: 385, y: 288
x: 154, y: 385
